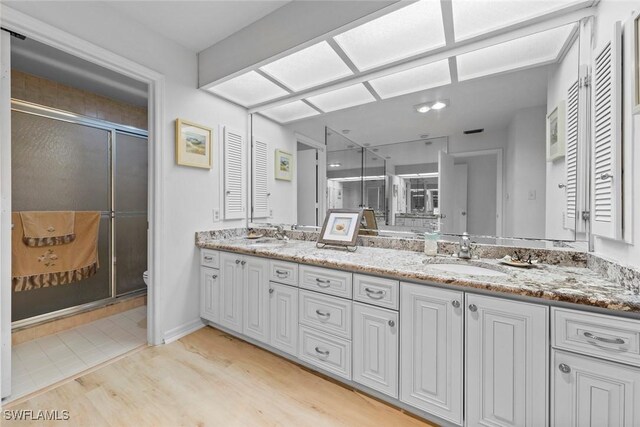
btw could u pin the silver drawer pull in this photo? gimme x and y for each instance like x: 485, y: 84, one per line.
x: 590, y: 336
x: 208, y: 258
x: 281, y: 273
x: 322, y: 352
x: 323, y: 313
x: 375, y: 294
x: 322, y: 282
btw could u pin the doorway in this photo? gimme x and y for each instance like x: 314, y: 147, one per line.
x: 307, y: 185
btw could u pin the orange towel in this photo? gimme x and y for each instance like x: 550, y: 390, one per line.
x: 48, y: 228
x: 40, y: 267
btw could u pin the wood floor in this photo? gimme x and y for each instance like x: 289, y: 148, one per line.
x: 209, y: 379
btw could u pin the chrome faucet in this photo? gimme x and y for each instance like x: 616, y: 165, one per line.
x: 279, y: 234
x: 465, y: 246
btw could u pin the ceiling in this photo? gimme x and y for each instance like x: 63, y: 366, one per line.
x: 195, y: 25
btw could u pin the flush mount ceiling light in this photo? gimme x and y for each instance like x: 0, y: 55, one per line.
x: 290, y: 112
x: 523, y: 52
x: 413, y: 80
x: 423, y: 108
x: 309, y: 67
x: 439, y: 105
x: 426, y: 107
x: 409, y: 31
x: 334, y: 165
x: 248, y: 89
x: 472, y: 18
x: 346, y: 97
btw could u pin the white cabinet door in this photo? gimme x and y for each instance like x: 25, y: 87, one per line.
x: 256, y: 298
x: 231, y: 284
x: 283, y: 301
x: 209, y: 294
x: 431, y: 344
x: 507, y: 362
x: 375, y: 348
x: 592, y: 392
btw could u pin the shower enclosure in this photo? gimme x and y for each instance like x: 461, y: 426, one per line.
x: 66, y: 162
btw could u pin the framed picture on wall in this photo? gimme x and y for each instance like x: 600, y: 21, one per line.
x: 284, y: 165
x: 341, y: 227
x: 193, y: 144
x: 556, y: 133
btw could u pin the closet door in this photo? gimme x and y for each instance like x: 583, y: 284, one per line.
x: 234, y: 175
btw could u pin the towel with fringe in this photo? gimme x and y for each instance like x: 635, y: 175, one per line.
x: 35, y: 267
x: 47, y: 228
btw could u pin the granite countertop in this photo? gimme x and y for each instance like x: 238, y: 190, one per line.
x: 576, y: 285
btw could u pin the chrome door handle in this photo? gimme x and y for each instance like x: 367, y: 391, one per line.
x: 392, y: 323
x: 590, y: 336
x: 375, y: 294
x: 322, y: 352
x: 473, y: 308
x: 243, y: 262
x: 564, y: 368
x: 323, y: 313
x: 456, y: 304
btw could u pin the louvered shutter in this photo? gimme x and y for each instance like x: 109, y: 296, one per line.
x: 234, y: 175
x: 260, y: 183
x: 606, y: 179
x: 571, y: 157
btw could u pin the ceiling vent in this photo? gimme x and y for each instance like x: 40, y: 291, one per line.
x: 472, y: 131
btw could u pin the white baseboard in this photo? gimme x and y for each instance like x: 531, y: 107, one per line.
x: 176, y: 333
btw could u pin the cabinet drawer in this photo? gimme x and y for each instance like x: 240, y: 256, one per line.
x: 338, y: 283
x: 376, y: 291
x: 283, y: 272
x: 328, y: 314
x: 327, y: 352
x: 598, y: 335
x: 209, y: 258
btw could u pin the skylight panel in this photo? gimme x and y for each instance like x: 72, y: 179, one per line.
x: 519, y: 53
x: 309, y: 67
x: 475, y: 17
x: 289, y: 112
x: 413, y: 80
x: 346, y: 97
x: 408, y: 31
x: 248, y: 89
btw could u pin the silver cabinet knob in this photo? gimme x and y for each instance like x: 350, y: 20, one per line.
x: 455, y: 303
x: 564, y: 368
x: 392, y: 323
x: 270, y: 290
x: 215, y: 276
x: 243, y: 262
x: 237, y: 261
x: 473, y: 308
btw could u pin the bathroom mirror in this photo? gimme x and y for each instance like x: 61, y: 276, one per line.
x: 488, y: 142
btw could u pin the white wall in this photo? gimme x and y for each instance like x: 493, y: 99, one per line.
x: 306, y: 187
x: 561, y: 77
x: 189, y: 195
x: 525, y: 173
x: 284, y: 196
x: 610, y: 11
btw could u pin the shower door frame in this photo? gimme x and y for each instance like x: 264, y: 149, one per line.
x: 113, y: 129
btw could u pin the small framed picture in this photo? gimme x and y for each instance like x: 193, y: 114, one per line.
x: 556, y: 133
x: 341, y: 227
x: 193, y: 144
x: 284, y: 165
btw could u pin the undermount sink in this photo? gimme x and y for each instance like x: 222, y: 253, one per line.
x: 467, y: 269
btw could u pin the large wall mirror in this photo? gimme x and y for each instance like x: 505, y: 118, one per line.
x: 490, y: 142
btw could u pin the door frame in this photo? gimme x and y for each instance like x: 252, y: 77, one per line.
x: 499, y: 182
x: 59, y: 39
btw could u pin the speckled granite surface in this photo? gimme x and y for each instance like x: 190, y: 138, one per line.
x: 576, y: 285
x: 625, y: 276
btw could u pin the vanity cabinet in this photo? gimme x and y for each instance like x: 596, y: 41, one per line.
x: 210, y: 294
x: 283, y: 310
x: 431, y: 349
x: 507, y: 366
x: 231, y: 287
x: 255, y: 304
x: 375, y: 348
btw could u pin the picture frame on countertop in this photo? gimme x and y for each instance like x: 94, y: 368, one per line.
x: 193, y: 144
x: 341, y: 227
x: 369, y: 224
x: 556, y: 133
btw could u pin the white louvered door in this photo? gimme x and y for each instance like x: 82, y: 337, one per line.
x: 571, y: 187
x: 606, y: 179
x: 260, y: 191
x: 234, y: 175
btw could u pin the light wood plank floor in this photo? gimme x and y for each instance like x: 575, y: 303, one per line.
x: 210, y: 379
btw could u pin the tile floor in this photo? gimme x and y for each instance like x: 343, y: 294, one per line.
x: 44, y: 361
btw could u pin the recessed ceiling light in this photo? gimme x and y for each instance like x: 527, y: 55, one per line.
x: 438, y: 105
x: 334, y: 165
x: 423, y: 108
